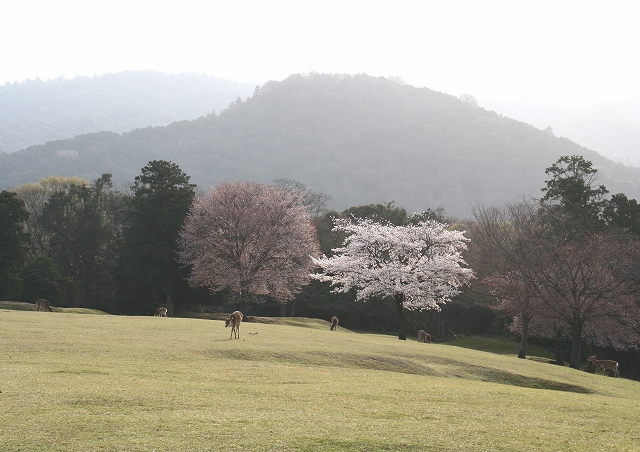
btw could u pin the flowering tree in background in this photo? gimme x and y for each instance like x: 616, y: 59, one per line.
x: 249, y: 238
x: 584, y: 287
x: 589, y: 286
x: 419, y: 265
x: 497, y: 255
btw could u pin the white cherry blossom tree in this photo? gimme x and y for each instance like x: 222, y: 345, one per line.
x: 419, y: 265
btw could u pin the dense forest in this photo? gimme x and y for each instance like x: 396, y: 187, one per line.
x: 359, y: 139
x: 34, y: 112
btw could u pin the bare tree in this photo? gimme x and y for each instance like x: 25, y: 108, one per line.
x: 35, y: 196
x: 585, y: 286
x: 250, y: 238
x: 496, y: 255
x: 315, y: 202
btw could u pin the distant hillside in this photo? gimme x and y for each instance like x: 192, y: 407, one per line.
x: 358, y: 138
x: 34, y: 112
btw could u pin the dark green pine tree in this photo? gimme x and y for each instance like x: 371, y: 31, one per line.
x: 623, y: 212
x: 572, y: 197
x: 148, y: 272
x: 13, y: 243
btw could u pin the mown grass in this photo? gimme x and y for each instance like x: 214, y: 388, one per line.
x: 88, y: 382
x: 501, y: 346
x: 21, y: 306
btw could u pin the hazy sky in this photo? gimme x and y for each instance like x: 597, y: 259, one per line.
x: 546, y: 52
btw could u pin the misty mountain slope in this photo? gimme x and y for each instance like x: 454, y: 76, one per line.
x: 34, y: 112
x: 358, y: 138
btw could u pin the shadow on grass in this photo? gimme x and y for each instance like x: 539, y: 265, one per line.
x: 438, y: 367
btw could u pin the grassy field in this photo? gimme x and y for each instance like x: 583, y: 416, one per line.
x: 80, y: 382
x: 502, y: 346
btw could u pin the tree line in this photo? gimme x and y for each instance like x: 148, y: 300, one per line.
x: 562, y: 268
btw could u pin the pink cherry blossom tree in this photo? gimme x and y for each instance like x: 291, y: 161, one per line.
x: 419, y: 265
x: 589, y: 286
x: 251, y: 239
x: 558, y: 284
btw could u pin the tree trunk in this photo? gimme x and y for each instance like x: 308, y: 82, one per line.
x: 441, y: 328
x: 559, y: 353
x: 242, y: 304
x: 169, y: 305
x: 576, y: 337
x: 293, y: 307
x: 399, y: 299
x: 283, y: 309
x: 524, y: 317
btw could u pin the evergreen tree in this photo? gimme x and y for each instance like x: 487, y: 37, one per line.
x: 13, y: 242
x: 149, y: 271
x: 573, y: 192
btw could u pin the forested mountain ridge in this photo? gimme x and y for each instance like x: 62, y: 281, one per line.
x: 358, y: 138
x: 34, y: 112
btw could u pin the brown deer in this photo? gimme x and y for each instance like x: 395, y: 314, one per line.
x: 43, y: 305
x: 334, y: 323
x: 423, y: 336
x: 234, y: 320
x: 604, y: 364
x: 161, y: 312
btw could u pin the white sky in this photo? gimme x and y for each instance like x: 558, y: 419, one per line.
x: 547, y: 52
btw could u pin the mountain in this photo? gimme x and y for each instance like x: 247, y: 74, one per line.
x: 358, y: 138
x: 34, y: 112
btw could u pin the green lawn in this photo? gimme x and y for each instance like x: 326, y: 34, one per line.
x: 501, y: 346
x: 79, y: 382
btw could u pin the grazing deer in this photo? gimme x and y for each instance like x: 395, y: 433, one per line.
x: 423, y: 336
x: 161, y: 312
x: 334, y: 323
x: 234, y: 320
x: 604, y: 364
x: 43, y: 305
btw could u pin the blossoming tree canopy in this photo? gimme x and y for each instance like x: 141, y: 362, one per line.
x: 250, y: 238
x: 419, y: 265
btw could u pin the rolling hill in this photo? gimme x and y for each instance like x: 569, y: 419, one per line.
x: 358, y: 138
x: 34, y: 112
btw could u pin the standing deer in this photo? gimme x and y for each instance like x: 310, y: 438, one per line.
x: 334, y: 323
x: 43, y: 305
x: 234, y: 320
x: 604, y: 364
x: 161, y: 312
x: 423, y: 336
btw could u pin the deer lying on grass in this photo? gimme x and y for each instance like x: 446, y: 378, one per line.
x: 334, y: 323
x: 604, y: 364
x: 234, y: 320
x: 423, y: 336
x: 161, y: 312
x: 43, y: 305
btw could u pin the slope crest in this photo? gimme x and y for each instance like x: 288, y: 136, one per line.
x: 360, y: 139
